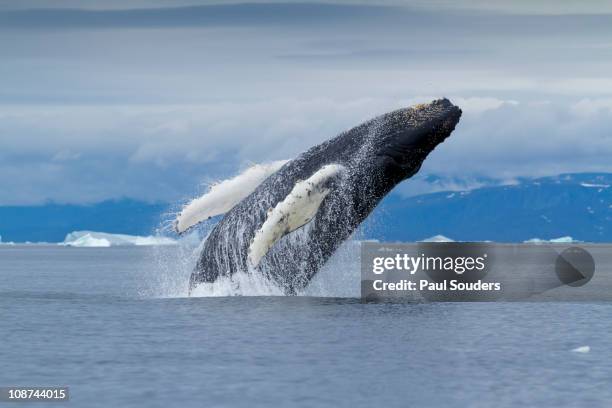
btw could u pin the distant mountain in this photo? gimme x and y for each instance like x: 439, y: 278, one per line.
x: 51, y: 222
x: 578, y: 205
x: 431, y: 183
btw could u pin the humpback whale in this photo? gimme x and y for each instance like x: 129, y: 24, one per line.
x: 285, y: 219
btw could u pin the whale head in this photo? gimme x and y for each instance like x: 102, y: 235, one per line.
x: 408, y: 135
x: 392, y: 147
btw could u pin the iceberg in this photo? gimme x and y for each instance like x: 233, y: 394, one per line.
x: 560, y: 240
x: 5, y: 243
x: 593, y: 185
x: 92, y: 239
x: 438, y: 238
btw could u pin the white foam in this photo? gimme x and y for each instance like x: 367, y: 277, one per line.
x: 582, y: 349
x: 223, y: 196
x: 168, y: 276
x: 239, y: 284
x: 92, y: 239
x: 339, y: 277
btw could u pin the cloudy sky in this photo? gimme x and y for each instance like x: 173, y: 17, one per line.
x: 152, y: 99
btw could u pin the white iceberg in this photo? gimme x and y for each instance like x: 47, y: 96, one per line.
x: 593, y: 185
x: 92, y: 239
x: 5, y: 243
x: 560, y: 240
x: 438, y: 238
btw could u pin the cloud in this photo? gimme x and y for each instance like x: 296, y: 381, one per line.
x: 237, y: 52
x: 591, y: 107
x: 517, y: 6
x: 167, y: 152
x: 542, y: 7
x: 86, y: 154
x: 585, y: 86
x: 469, y: 105
x: 151, y: 98
x: 526, y: 140
x: 211, y: 15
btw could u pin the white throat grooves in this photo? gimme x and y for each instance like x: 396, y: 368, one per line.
x: 296, y: 210
x: 223, y: 196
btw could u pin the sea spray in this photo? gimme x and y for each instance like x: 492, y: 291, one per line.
x: 340, y: 276
x: 167, y: 269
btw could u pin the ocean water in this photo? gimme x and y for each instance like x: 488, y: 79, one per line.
x: 115, y: 326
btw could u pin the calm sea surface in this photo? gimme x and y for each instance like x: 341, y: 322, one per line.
x: 110, y: 323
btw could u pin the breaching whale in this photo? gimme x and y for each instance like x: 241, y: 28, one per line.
x: 285, y: 219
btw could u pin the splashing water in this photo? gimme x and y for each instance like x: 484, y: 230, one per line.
x: 167, y: 271
x: 168, y: 276
x: 238, y: 284
x: 222, y: 196
x: 340, y: 276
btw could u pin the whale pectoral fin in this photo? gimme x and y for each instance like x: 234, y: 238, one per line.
x: 223, y: 196
x: 295, y: 211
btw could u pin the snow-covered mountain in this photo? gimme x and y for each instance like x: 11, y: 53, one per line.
x: 576, y: 205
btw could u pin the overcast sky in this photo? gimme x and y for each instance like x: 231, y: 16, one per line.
x: 149, y: 99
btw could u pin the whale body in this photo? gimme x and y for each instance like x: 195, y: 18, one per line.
x: 291, y: 223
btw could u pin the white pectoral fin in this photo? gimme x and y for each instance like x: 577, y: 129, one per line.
x: 296, y: 210
x: 223, y: 196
